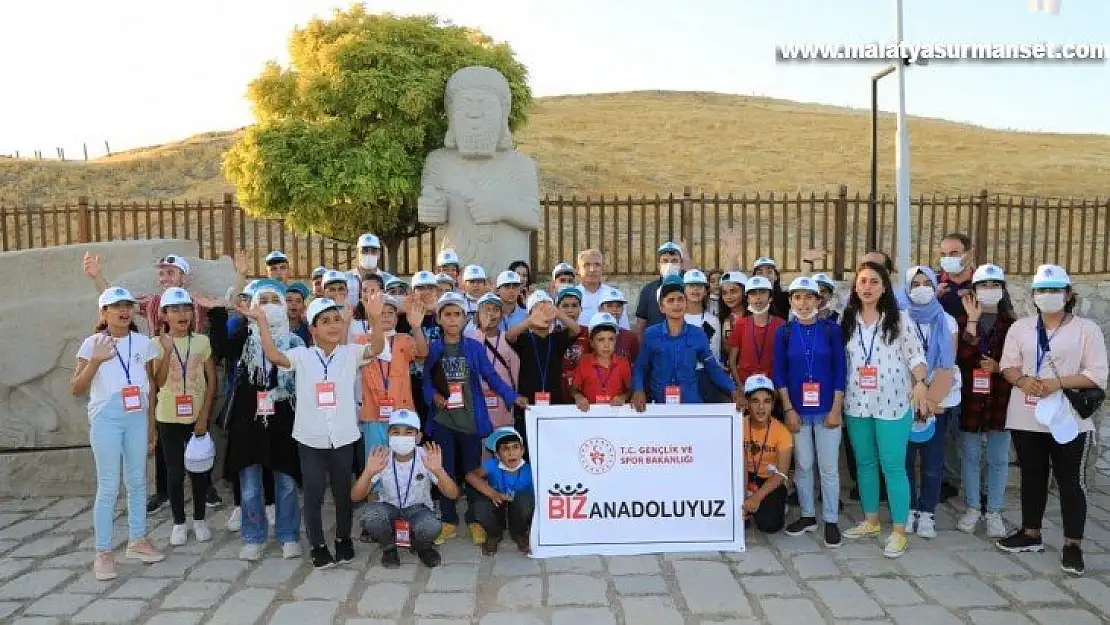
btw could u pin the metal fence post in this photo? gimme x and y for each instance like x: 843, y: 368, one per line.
x: 83, y: 225
x: 982, y: 218
x: 229, y: 225
x: 840, y: 241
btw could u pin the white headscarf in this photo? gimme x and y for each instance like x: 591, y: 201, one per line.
x: 254, y: 362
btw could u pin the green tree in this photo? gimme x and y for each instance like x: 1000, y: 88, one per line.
x: 341, y: 135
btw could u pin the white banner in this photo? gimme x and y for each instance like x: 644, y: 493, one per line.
x: 617, y: 482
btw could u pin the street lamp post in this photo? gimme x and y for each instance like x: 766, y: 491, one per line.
x: 902, y: 162
x: 872, y: 208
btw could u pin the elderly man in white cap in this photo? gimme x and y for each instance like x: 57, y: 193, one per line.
x: 369, y: 254
x: 591, y: 270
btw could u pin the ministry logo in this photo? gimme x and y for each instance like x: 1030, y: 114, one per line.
x: 597, y: 455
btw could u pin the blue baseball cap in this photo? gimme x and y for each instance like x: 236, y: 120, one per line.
x: 670, y: 284
x: 299, y: 287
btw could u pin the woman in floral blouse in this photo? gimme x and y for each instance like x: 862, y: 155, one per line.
x: 885, y: 385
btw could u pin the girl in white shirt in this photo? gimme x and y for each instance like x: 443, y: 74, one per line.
x: 114, y: 369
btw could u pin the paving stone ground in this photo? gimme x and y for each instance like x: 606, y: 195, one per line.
x: 45, y: 577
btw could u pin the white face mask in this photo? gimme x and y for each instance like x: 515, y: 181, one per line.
x: 505, y: 467
x: 1049, y: 302
x: 922, y: 295
x: 275, y: 315
x: 989, y: 297
x: 666, y: 269
x: 402, y: 445
x: 759, y: 311
x: 952, y: 264
x: 368, y: 261
x: 804, y: 316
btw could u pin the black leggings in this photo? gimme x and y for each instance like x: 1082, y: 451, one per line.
x: 174, y: 437
x: 1039, y: 454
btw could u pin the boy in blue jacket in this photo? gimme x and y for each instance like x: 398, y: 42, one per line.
x: 665, y: 370
x: 453, y: 391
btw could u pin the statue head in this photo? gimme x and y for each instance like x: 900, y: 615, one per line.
x: 478, y: 101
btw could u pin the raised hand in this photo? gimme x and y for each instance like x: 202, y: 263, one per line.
x: 91, y: 265
x: 167, y: 343
x: 971, y: 306
x: 206, y: 302
x: 414, y: 310
x: 582, y: 403
x: 433, y: 457
x: 377, y: 460
x: 254, y: 313
x: 104, y: 348
x: 373, y: 305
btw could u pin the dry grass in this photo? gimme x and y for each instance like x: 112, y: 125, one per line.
x: 656, y: 142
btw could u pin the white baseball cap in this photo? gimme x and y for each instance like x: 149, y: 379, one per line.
x: 200, y: 454
x: 473, y: 272
x: 443, y: 278
x: 450, y: 298
x: 276, y: 257
x: 405, y: 417
x: 174, y: 260
x: 508, y: 277
x: 115, y: 295
x: 695, y: 276
x: 804, y: 283
x: 1051, y: 277
x: 423, y: 278
x: 562, y: 269
x: 764, y: 261
x: 758, y: 282
x: 988, y: 273
x: 318, y: 306
x: 393, y: 281
x: 319, y: 272
x: 490, y: 298
x: 332, y: 275
x: 735, y: 277
x: 612, y: 295
x: 536, y: 298
x: 823, y: 279
x: 447, y: 257
x: 175, y: 296
x: 369, y: 240
x: 603, y: 320
x: 758, y: 382
x: 668, y: 247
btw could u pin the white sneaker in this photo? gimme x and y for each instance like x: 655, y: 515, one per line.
x: 202, y: 532
x: 926, y: 525
x: 291, y: 550
x: 969, y: 520
x: 911, y: 522
x: 179, y: 534
x: 251, y: 552
x: 271, y: 515
x: 235, y: 519
x: 996, y: 527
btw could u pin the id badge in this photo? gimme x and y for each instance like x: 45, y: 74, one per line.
x: 265, y: 404
x: 981, y: 382
x: 402, y: 537
x: 868, y: 378
x: 132, y: 399
x: 385, y: 409
x: 455, y: 398
x: 325, y: 394
x: 1031, y: 401
x: 603, y: 399
x: 811, y: 394
x: 543, y: 399
x: 492, y: 401
x: 184, y: 405
x: 673, y: 395
x: 508, y: 496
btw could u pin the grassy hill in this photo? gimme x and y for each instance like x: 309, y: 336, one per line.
x: 656, y: 142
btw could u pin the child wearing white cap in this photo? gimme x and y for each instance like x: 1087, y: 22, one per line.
x: 181, y: 372
x: 447, y: 262
x: 404, y: 473
x: 541, y: 347
x: 277, y: 266
x: 602, y: 376
x: 114, y: 368
x: 768, y: 446
x: 502, y: 356
x: 474, y: 287
x: 501, y: 492
x: 326, y: 424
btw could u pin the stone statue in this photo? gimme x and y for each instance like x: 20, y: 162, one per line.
x: 478, y: 184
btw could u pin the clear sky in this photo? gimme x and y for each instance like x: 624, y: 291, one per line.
x: 139, y: 72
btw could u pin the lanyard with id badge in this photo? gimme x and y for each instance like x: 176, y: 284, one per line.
x: 672, y: 393
x: 543, y: 398
x: 265, y: 404
x: 183, y: 403
x: 981, y: 378
x: 402, y: 532
x: 811, y: 389
x: 603, y: 396
x: 867, y: 376
x: 325, y: 391
x: 385, y: 403
x: 753, y: 485
x: 132, y: 394
x: 1044, y: 345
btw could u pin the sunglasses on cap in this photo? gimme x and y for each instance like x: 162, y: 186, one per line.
x: 168, y: 260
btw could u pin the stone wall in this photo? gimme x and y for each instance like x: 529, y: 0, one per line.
x: 49, y: 310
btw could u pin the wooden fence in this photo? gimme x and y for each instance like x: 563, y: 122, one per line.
x: 1015, y: 232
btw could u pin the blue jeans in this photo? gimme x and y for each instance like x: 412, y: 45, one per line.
x: 998, y: 467
x: 287, y: 522
x: 115, y: 434
x: 925, y: 492
x: 817, y: 440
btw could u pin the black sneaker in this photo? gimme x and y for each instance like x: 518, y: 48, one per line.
x: 1071, y: 561
x: 832, y: 535
x: 213, y: 499
x: 155, y: 503
x: 1020, y: 542
x: 390, y: 558
x: 344, y: 550
x: 430, y: 557
x: 321, y: 558
x: 801, y: 526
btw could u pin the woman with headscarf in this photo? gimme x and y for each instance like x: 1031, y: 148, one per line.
x: 938, y: 333
x: 260, y: 428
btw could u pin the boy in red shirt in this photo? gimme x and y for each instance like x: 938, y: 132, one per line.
x: 602, y: 377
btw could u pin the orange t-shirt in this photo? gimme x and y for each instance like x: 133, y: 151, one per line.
x: 762, y: 446
x: 374, y: 373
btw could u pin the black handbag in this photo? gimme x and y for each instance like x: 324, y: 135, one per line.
x: 1085, y: 401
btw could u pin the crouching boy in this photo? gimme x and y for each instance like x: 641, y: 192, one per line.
x: 402, y: 516
x: 501, y: 491
x: 767, y: 445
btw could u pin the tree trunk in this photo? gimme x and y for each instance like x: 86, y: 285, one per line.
x: 392, y: 254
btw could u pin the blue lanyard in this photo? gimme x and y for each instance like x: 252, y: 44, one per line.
x: 408, y: 489
x: 810, y: 348
x: 328, y: 362
x: 676, y: 353
x: 123, y: 365
x: 543, y: 367
x: 867, y: 352
x: 184, y: 363
x: 1043, y: 347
